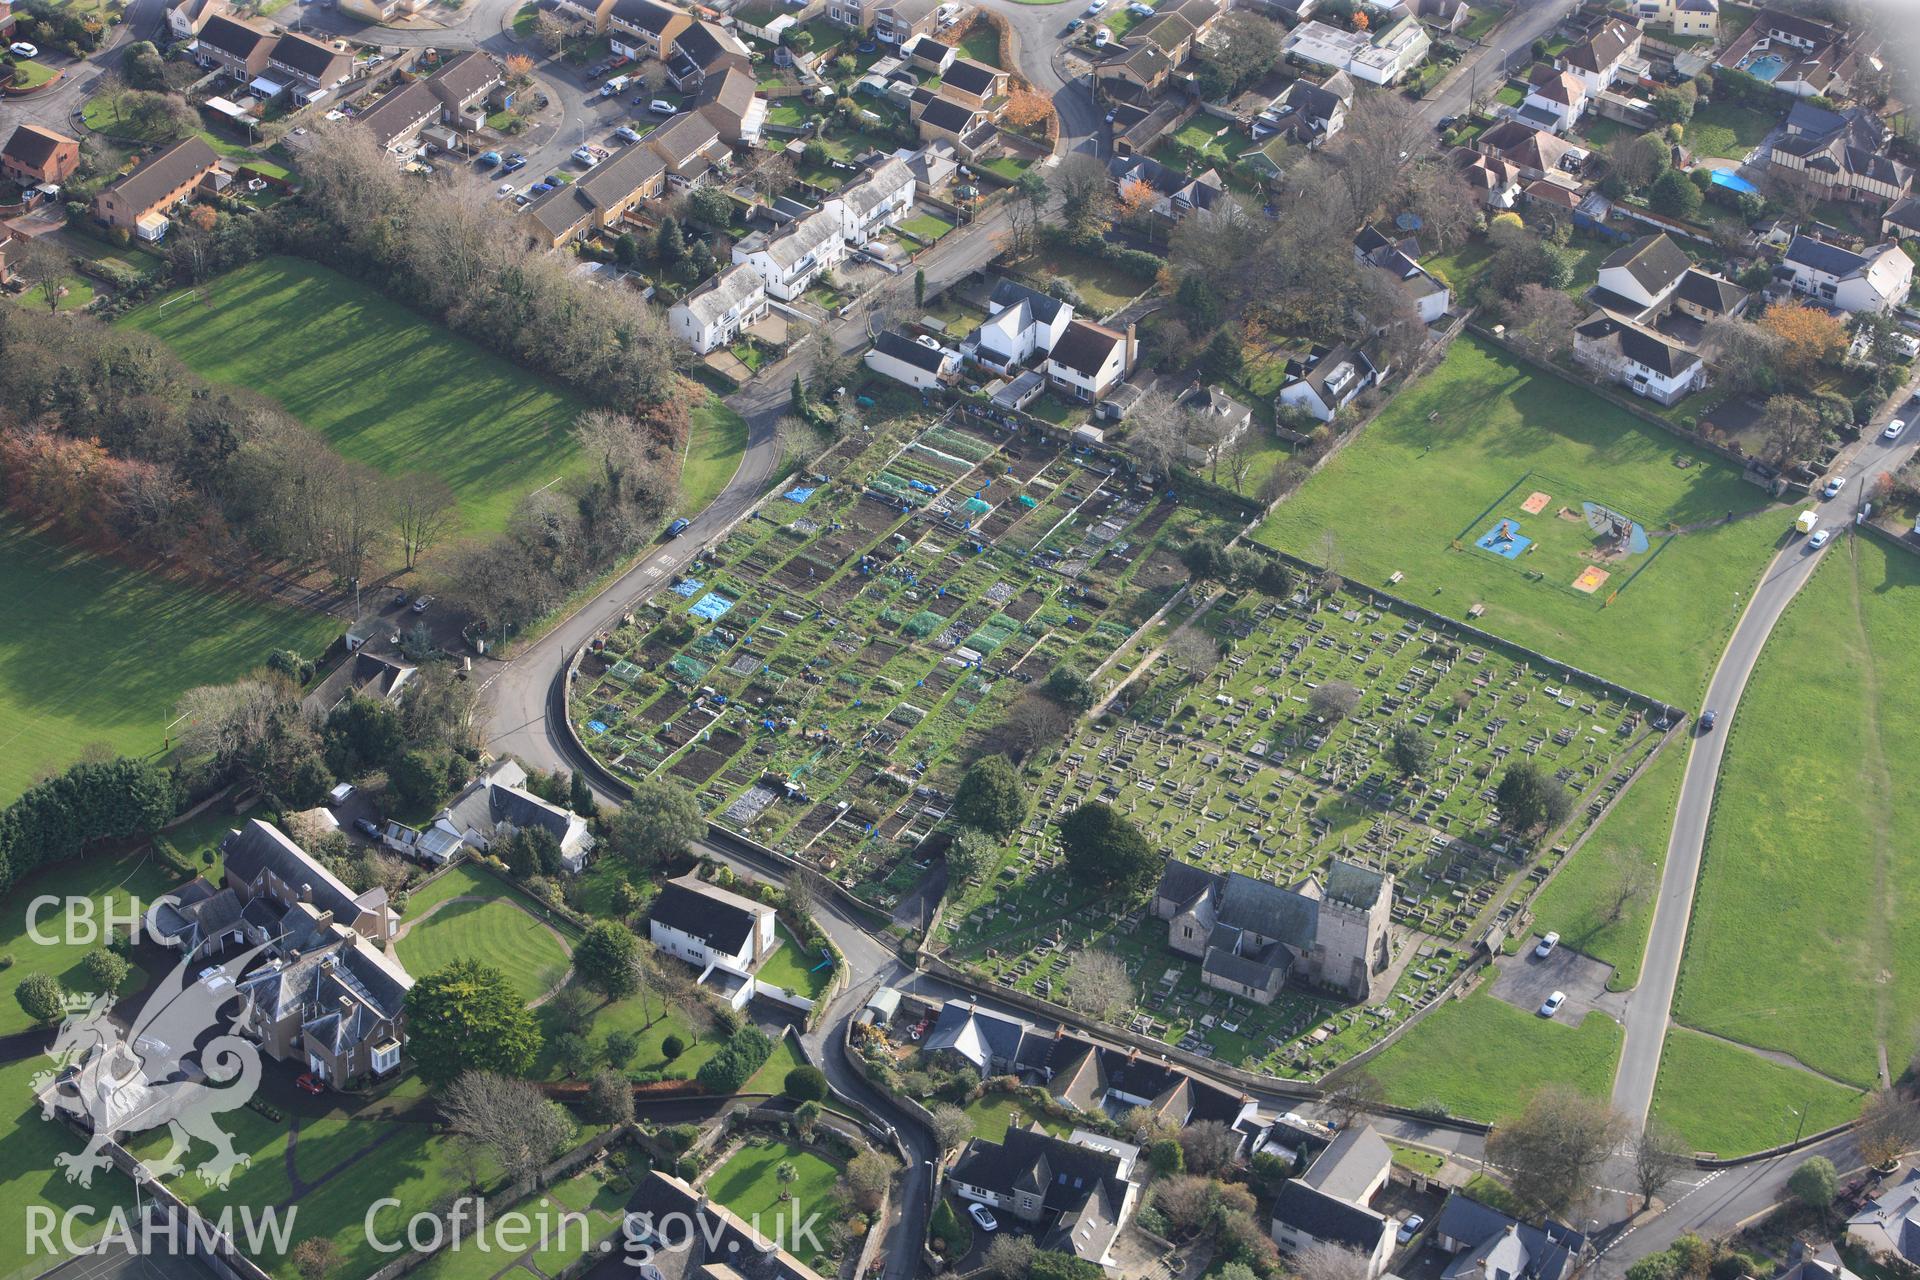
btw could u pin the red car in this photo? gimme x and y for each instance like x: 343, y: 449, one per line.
x: 310, y: 1083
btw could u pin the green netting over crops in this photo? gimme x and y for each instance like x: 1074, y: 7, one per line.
x: 950, y: 441
x: 993, y: 633
x: 907, y: 714
x: 923, y: 623
x: 688, y: 669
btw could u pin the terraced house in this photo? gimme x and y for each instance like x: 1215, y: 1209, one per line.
x: 140, y: 202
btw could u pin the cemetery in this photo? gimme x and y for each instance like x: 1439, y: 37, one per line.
x: 1217, y: 753
x: 817, y: 675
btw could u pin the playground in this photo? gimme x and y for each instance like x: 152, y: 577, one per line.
x: 1229, y: 765
x: 1574, y: 543
x: 819, y: 676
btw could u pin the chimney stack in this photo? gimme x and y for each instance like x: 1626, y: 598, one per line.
x: 1133, y: 347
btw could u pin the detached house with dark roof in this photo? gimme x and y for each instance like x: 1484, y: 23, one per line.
x: 491, y: 808
x: 1609, y: 54
x: 34, y: 155
x: 722, y: 934
x: 141, y: 201
x: 1075, y: 1192
x: 1331, y: 1203
x: 1842, y: 155
x: 1021, y: 324
x: 1251, y: 936
x: 1398, y: 259
x: 1090, y: 360
x: 1654, y: 306
x: 993, y: 1044
x: 1874, y: 279
x: 1327, y: 380
x: 704, y: 50
x: 1487, y: 1244
x: 921, y: 363
x: 1888, y: 1226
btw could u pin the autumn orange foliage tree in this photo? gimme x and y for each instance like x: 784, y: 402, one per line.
x: 1027, y: 110
x: 519, y: 67
x: 1136, y: 197
x: 1809, y: 337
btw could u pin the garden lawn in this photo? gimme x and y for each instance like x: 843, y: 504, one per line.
x: 498, y: 932
x: 1103, y: 286
x: 771, y: 1078
x: 928, y: 226
x: 105, y: 112
x: 1461, y: 449
x: 994, y: 1113
x: 124, y: 884
x: 650, y: 1019
x: 28, y: 74
x: 1481, y: 1058
x: 796, y: 969
x: 982, y: 44
x: 28, y: 1175
x: 747, y: 1184
x: 714, y: 449
x: 1721, y: 1098
x: 110, y: 649
x: 1816, y: 829
x: 1588, y: 903
x: 389, y: 389
x: 79, y: 292
x: 1726, y: 130
x: 1416, y: 1159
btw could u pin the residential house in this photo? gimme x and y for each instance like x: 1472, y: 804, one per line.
x: 463, y: 82
x: 12, y: 244
x: 1090, y: 359
x: 898, y: 21
x: 140, y: 202
x: 490, y: 809
x: 702, y: 51
x: 1805, y: 1265
x: 1326, y: 381
x: 695, y: 1237
x: 943, y: 119
x: 1373, y: 247
x: 1169, y: 194
x: 724, y: 935
x: 1305, y: 113
x: 1642, y: 274
x: 1113, y: 1082
x: 992, y: 1044
x: 599, y: 199
x: 1169, y: 32
x: 1683, y: 17
x: 1842, y: 155
x: 731, y: 103
x: 921, y: 363
x: 1378, y: 58
x: 34, y: 155
x: 1873, y: 279
x: 974, y: 84
x: 1134, y: 72
x: 184, y: 18
x: 453, y: 95
x: 381, y: 10
x: 1902, y: 221
x: 1442, y: 16
x: 1565, y: 200
x: 396, y: 119
x: 229, y: 45
x: 1537, y: 153
x: 1252, y: 936
x: 714, y: 314
x: 1331, y: 1203
x: 308, y: 67
x: 876, y: 200
x: 642, y: 29
x: 791, y: 259
x: 1221, y: 421
x: 1555, y: 99
x: 1610, y: 54
x: 1487, y: 1244
x: 1638, y: 358
x: 1076, y: 1193
x: 1795, y: 55
x: 691, y: 148
x: 1022, y: 324
x: 361, y: 675
x: 1888, y: 1226
x: 933, y: 166
x: 1494, y: 180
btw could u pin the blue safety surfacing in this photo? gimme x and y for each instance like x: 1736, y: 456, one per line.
x: 1504, y: 540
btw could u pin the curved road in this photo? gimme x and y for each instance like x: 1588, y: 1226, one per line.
x: 1650, y: 1005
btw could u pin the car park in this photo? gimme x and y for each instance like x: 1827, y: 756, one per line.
x: 1833, y: 487
x: 1894, y: 429
x: 1819, y: 539
x: 1552, y: 1004
x: 984, y: 1217
x: 1548, y: 942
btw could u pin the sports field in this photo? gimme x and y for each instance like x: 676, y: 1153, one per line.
x: 1804, y: 938
x: 386, y: 387
x: 1488, y: 448
x: 98, y: 652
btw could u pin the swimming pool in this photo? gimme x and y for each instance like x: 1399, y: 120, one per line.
x: 1732, y: 182
x: 1764, y: 67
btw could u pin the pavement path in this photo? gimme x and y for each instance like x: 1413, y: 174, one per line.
x: 1649, y: 1008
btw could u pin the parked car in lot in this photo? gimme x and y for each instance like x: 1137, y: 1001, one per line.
x: 984, y: 1216
x: 661, y: 107
x: 1074, y: 24
x: 1139, y: 10
x: 540, y: 188
x: 1548, y: 942
x: 583, y: 155
x: 1552, y: 1004
x: 1833, y: 487
x: 625, y: 134
x: 21, y: 49
x: 522, y: 200
x: 488, y: 159
x: 504, y: 190
x: 1095, y: 7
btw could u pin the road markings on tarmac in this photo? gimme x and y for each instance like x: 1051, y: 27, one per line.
x: 1615, y: 1242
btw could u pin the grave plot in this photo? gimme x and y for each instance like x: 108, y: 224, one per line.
x: 817, y: 676
x: 1223, y: 763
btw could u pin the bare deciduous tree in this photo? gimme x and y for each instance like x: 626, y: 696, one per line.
x: 951, y: 1127
x: 1334, y: 700
x: 1889, y: 1127
x: 1210, y: 1146
x: 511, y: 1119
x: 1658, y: 1154
x: 1554, y: 1148
x: 425, y: 513
x: 355, y: 518
x: 1085, y: 193
x: 227, y: 721
x: 1098, y: 985
x: 1541, y: 319
x: 1351, y: 1092
x: 1323, y: 1261
x: 1193, y: 651
x: 42, y: 265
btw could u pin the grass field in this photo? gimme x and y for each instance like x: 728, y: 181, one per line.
x: 386, y: 387
x: 1816, y: 830
x: 1601, y: 903
x: 498, y: 932
x: 747, y: 1184
x: 122, y: 884
x: 28, y: 1175
x: 1481, y: 1058
x: 109, y: 651
x: 1725, y: 1099
x: 714, y: 449
x: 1462, y: 449
x: 1726, y: 130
